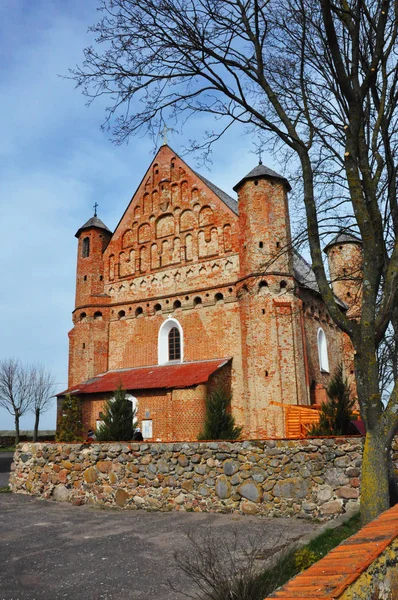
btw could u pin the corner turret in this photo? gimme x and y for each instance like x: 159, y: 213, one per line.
x: 93, y: 238
x: 344, y: 254
x: 264, y: 224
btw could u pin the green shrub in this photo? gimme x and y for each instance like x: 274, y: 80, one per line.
x: 219, y: 423
x: 117, y: 419
x: 304, y: 558
x: 336, y: 413
x: 70, y: 422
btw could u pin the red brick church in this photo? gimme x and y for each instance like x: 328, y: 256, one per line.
x: 196, y: 289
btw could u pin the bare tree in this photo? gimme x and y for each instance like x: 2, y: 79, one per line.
x: 15, y: 389
x: 42, y: 393
x: 318, y: 78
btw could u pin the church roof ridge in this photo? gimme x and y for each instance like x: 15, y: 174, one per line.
x: 226, y: 198
x: 261, y: 170
x: 92, y: 222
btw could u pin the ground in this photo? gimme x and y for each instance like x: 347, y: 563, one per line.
x: 53, y: 550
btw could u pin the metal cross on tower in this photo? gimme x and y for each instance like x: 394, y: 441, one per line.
x: 95, y: 209
x: 164, y: 134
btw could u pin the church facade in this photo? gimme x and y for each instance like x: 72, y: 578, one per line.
x: 195, y: 290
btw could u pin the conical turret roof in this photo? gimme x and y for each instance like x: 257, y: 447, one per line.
x: 262, y: 171
x: 342, y: 238
x: 93, y: 222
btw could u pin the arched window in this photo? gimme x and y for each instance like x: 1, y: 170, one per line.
x: 174, y: 344
x: 323, y: 351
x: 170, y: 342
x: 86, y: 247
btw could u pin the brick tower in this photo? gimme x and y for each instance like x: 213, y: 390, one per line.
x: 344, y: 254
x: 345, y: 261
x: 270, y: 311
x: 88, y: 348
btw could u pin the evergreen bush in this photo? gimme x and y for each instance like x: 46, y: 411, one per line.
x: 336, y: 413
x: 219, y: 423
x: 117, y: 419
x: 70, y: 422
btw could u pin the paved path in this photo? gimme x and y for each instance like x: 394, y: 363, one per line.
x: 50, y: 551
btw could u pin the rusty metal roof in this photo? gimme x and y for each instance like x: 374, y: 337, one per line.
x: 169, y: 376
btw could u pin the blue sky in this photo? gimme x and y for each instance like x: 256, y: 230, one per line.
x: 55, y: 164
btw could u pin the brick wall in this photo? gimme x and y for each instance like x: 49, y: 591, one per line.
x: 180, y: 251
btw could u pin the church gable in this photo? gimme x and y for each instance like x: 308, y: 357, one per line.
x: 174, y: 219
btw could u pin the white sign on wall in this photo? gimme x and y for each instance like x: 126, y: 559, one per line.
x: 147, y: 428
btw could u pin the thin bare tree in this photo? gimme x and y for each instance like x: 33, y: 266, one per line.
x: 15, y: 389
x: 317, y: 79
x: 42, y: 393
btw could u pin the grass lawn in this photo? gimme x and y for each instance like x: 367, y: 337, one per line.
x: 8, y: 449
x: 5, y: 490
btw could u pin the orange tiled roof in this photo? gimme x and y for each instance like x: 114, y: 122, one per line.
x: 329, y: 577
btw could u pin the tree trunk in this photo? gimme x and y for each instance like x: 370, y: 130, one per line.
x: 16, y: 418
x: 375, y: 497
x: 36, y: 429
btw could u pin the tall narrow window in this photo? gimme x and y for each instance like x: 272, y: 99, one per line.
x: 86, y: 247
x: 170, y: 342
x: 174, y: 344
x: 323, y: 352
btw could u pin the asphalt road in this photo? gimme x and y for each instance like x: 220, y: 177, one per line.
x: 53, y: 551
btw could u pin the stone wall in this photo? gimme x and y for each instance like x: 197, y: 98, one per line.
x: 317, y: 478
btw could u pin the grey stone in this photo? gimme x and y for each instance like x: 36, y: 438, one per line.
x: 335, y: 477
x: 295, y: 487
x: 236, y: 479
x: 269, y: 484
x: 25, y: 457
x: 251, y: 490
x: 203, y: 490
x: 163, y: 466
x: 258, y: 475
x: 308, y: 506
x: 61, y: 494
x: 200, y: 469
x: 324, y: 493
x: 230, y: 467
x: 353, y: 472
x: 223, y: 487
x: 342, y: 461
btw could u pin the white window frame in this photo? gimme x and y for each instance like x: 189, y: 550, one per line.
x: 323, y: 351
x: 134, y: 402
x: 163, y: 341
